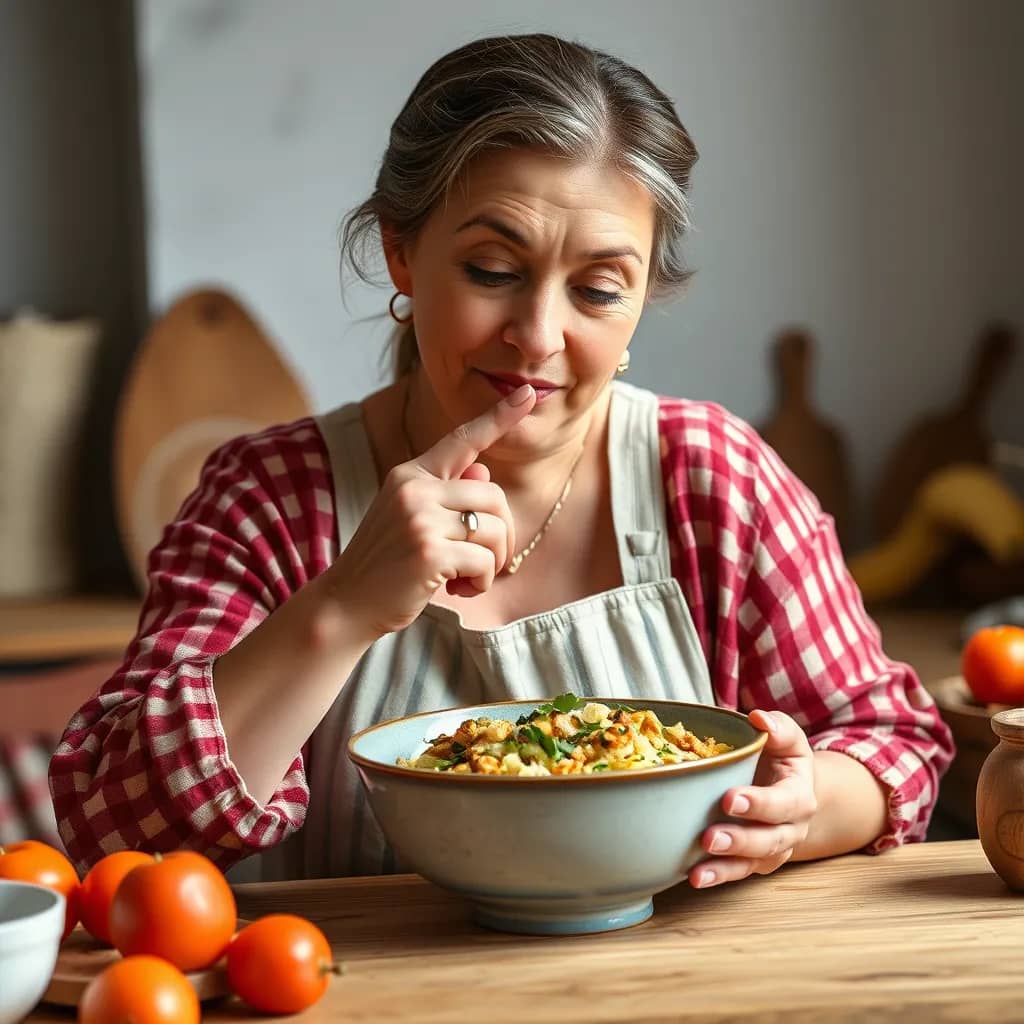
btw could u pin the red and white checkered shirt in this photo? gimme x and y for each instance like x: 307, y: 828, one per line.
x: 144, y: 764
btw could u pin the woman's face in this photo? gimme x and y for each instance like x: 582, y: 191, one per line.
x: 535, y: 270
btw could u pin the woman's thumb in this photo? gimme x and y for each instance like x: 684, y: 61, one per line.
x: 785, y: 737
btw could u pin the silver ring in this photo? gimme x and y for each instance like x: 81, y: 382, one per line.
x: 470, y: 521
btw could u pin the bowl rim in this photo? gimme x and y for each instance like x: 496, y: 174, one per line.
x: 16, y: 883
x: 601, y: 778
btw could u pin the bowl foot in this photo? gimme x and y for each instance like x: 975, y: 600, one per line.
x: 535, y: 921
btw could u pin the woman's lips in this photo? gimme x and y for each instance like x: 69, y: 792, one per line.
x: 505, y: 386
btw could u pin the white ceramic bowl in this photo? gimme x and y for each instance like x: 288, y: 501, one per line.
x: 31, y: 924
x: 557, y: 854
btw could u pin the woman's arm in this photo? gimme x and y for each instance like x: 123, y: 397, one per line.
x: 861, y: 745
x: 275, y: 686
x: 852, y: 808
x: 144, y: 763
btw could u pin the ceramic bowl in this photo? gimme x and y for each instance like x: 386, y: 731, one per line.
x: 31, y: 923
x: 558, y: 854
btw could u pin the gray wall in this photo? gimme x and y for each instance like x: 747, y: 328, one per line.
x: 71, y: 234
x: 860, y: 174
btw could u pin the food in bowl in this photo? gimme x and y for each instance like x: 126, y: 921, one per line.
x: 552, y: 854
x: 569, y: 736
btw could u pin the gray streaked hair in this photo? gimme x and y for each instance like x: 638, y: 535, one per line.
x: 534, y: 91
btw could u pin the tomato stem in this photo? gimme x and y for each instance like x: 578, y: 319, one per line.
x: 337, y: 968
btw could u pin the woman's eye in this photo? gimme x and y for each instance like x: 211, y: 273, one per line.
x: 601, y: 298
x: 488, y: 278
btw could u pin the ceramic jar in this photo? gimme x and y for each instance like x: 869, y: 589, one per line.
x: 1000, y: 799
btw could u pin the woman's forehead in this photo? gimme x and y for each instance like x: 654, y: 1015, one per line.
x: 532, y: 189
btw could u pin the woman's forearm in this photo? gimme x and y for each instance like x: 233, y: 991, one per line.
x: 852, y: 807
x: 275, y: 686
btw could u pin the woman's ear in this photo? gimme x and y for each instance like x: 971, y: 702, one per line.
x: 396, y: 253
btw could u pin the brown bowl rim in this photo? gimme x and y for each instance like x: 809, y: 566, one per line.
x: 601, y: 778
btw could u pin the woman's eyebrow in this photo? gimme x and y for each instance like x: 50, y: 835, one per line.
x: 513, y: 236
x: 611, y: 254
x: 495, y: 225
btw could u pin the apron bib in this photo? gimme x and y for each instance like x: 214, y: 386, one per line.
x: 637, y: 640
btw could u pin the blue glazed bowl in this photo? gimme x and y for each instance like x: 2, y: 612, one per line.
x: 558, y: 854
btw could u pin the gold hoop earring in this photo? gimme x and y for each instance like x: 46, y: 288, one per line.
x: 394, y: 316
x: 623, y: 363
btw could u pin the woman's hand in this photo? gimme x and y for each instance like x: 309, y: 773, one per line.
x: 772, y: 817
x: 412, y: 539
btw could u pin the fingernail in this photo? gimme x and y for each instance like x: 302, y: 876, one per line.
x: 520, y: 395
x: 706, y: 877
x: 721, y: 842
x: 740, y: 804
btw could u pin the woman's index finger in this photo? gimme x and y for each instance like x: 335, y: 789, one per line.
x: 459, y: 449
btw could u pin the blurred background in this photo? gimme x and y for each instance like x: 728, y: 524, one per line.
x: 173, y: 175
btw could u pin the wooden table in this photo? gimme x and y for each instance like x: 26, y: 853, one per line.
x: 922, y: 933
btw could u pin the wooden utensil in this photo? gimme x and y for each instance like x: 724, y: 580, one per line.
x: 809, y: 445
x: 82, y: 958
x: 205, y: 374
x: 957, y: 434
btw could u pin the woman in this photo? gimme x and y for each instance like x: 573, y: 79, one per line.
x: 502, y: 521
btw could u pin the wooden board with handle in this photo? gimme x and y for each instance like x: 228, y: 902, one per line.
x: 810, y: 446
x: 956, y: 434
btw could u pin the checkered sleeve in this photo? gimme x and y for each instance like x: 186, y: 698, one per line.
x: 26, y: 811
x: 144, y: 764
x: 781, y: 619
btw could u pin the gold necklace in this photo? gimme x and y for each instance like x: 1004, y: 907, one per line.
x: 517, y: 560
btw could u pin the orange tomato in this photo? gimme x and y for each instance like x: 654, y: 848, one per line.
x: 139, y: 990
x: 993, y: 665
x: 180, y: 907
x: 99, y: 886
x: 280, y: 964
x: 33, y: 861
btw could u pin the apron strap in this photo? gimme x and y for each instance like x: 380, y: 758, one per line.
x: 352, y: 467
x: 638, y: 492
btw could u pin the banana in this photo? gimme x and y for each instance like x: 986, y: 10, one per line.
x: 964, y: 499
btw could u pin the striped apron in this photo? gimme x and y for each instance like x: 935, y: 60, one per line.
x: 637, y: 640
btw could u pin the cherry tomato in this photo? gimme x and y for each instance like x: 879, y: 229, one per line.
x: 280, y: 964
x: 99, y: 886
x: 33, y: 861
x: 993, y: 665
x: 139, y: 990
x: 179, y: 907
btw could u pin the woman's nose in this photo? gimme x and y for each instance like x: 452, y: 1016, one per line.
x: 537, y: 326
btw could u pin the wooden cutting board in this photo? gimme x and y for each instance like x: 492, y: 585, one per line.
x: 205, y: 373
x: 810, y: 446
x: 82, y: 958
x: 956, y: 434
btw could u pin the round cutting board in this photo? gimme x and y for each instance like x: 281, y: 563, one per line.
x: 82, y: 958
x: 205, y: 373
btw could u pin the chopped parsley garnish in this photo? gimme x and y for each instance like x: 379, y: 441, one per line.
x: 563, y: 703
